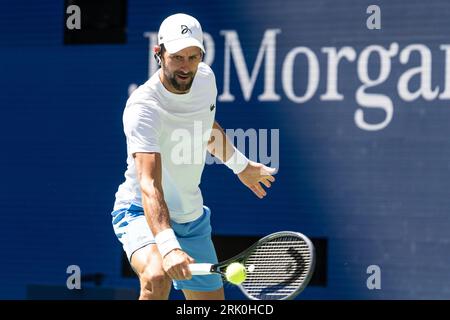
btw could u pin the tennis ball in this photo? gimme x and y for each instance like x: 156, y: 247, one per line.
x: 235, y: 273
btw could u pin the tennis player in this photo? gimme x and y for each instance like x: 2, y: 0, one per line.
x: 159, y: 216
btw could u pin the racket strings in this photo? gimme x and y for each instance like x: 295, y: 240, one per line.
x: 279, y: 268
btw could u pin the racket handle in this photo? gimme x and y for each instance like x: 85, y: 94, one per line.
x: 200, y: 269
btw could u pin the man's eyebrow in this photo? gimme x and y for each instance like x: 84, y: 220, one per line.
x: 190, y: 56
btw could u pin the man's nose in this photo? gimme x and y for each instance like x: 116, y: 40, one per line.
x: 184, y: 67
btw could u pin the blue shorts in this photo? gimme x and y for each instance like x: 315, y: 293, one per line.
x: 132, y: 230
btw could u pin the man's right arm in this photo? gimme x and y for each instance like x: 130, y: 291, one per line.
x: 149, y: 173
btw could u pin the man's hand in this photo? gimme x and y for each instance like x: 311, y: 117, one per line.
x: 255, y: 173
x: 176, y: 264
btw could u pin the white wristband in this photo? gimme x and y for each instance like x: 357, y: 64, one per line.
x: 237, y: 162
x: 166, y: 241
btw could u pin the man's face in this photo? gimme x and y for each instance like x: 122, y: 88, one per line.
x: 180, y: 68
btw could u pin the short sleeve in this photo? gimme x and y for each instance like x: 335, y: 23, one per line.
x: 142, y: 126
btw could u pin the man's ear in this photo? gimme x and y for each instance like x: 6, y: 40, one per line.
x: 157, y: 54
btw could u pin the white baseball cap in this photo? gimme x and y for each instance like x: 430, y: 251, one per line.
x: 180, y: 31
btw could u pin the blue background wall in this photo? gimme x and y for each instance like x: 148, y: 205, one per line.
x: 379, y: 197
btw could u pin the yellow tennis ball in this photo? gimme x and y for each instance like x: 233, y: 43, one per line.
x: 235, y: 273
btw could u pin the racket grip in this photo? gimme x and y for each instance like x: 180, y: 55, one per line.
x: 200, y: 269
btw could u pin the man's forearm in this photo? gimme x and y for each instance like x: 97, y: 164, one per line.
x: 155, y: 208
x: 219, y: 145
x: 158, y: 219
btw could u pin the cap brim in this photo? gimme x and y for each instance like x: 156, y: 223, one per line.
x: 179, y: 44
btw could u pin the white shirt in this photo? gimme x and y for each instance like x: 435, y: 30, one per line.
x: 178, y: 126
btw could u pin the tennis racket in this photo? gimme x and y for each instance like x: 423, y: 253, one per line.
x: 279, y: 266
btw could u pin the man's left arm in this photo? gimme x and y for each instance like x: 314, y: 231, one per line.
x: 249, y: 172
